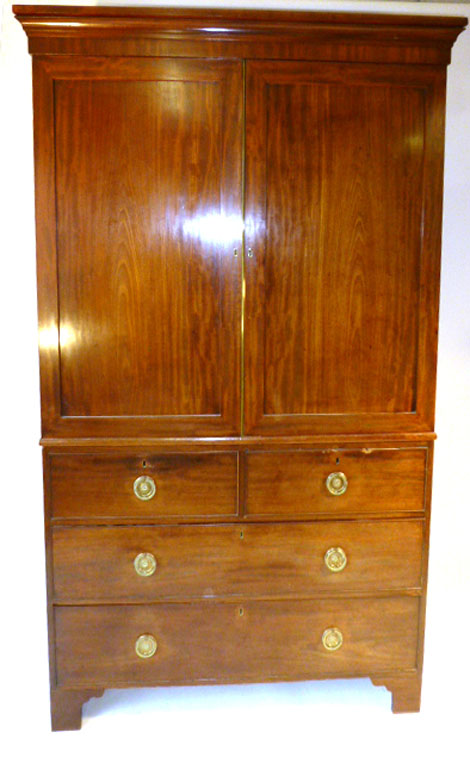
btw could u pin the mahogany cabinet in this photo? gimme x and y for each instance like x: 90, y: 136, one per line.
x: 238, y: 239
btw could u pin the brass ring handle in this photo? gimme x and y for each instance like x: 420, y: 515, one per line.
x: 335, y: 559
x: 337, y: 483
x: 145, y: 564
x: 146, y: 646
x: 144, y: 488
x: 332, y: 639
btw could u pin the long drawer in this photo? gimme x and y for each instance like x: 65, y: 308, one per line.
x: 100, y: 486
x: 283, y: 559
x: 339, y: 483
x: 223, y: 642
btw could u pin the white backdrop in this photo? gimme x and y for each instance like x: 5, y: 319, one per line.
x: 304, y: 721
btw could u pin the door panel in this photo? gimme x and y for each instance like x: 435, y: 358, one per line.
x: 336, y: 160
x: 148, y: 213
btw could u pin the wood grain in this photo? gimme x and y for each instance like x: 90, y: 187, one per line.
x: 151, y: 290
x: 97, y: 564
x: 102, y: 486
x: 335, y: 310
x: 249, y: 33
x: 341, y: 300
x: 293, y: 483
x: 143, y: 335
x: 216, y: 642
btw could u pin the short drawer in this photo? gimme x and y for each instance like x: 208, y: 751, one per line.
x: 224, y: 642
x: 250, y: 560
x: 340, y: 482
x: 108, y: 486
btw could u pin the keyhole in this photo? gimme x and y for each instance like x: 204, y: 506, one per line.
x: 240, y: 611
x: 337, y: 461
x: 144, y: 464
x: 241, y: 534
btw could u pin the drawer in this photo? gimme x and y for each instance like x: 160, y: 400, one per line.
x: 378, y: 481
x: 102, y: 486
x: 224, y: 642
x: 279, y: 559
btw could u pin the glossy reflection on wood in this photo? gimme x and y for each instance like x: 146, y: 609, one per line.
x: 249, y: 33
x: 148, y: 213
x: 140, y: 201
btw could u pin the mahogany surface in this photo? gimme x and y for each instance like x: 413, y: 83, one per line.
x: 293, y: 483
x: 251, y: 560
x: 66, y: 707
x: 158, y: 192
x: 238, y: 221
x: 153, y: 299
x: 244, y: 33
x: 102, y: 486
x: 220, y: 641
x: 332, y: 325
x: 406, y: 692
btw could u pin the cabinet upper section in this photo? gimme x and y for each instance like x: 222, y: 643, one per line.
x: 232, y: 246
x: 239, y: 33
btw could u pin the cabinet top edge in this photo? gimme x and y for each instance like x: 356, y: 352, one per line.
x: 242, y: 14
x: 285, y: 22
x: 253, y: 34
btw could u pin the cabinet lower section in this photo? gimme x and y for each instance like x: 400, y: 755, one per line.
x: 289, y: 581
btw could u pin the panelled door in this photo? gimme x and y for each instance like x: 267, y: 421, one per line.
x: 139, y: 212
x: 343, y: 166
x: 326, y: 318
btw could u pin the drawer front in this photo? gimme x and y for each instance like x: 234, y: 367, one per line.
x: 295, y: 483
x: 102, y: 486
x: 281, y: 559
x: 223, y: 642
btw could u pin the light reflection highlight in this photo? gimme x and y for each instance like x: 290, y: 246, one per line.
x: 214, y: 228
x: 49, y: 337
x: 216, y: 29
